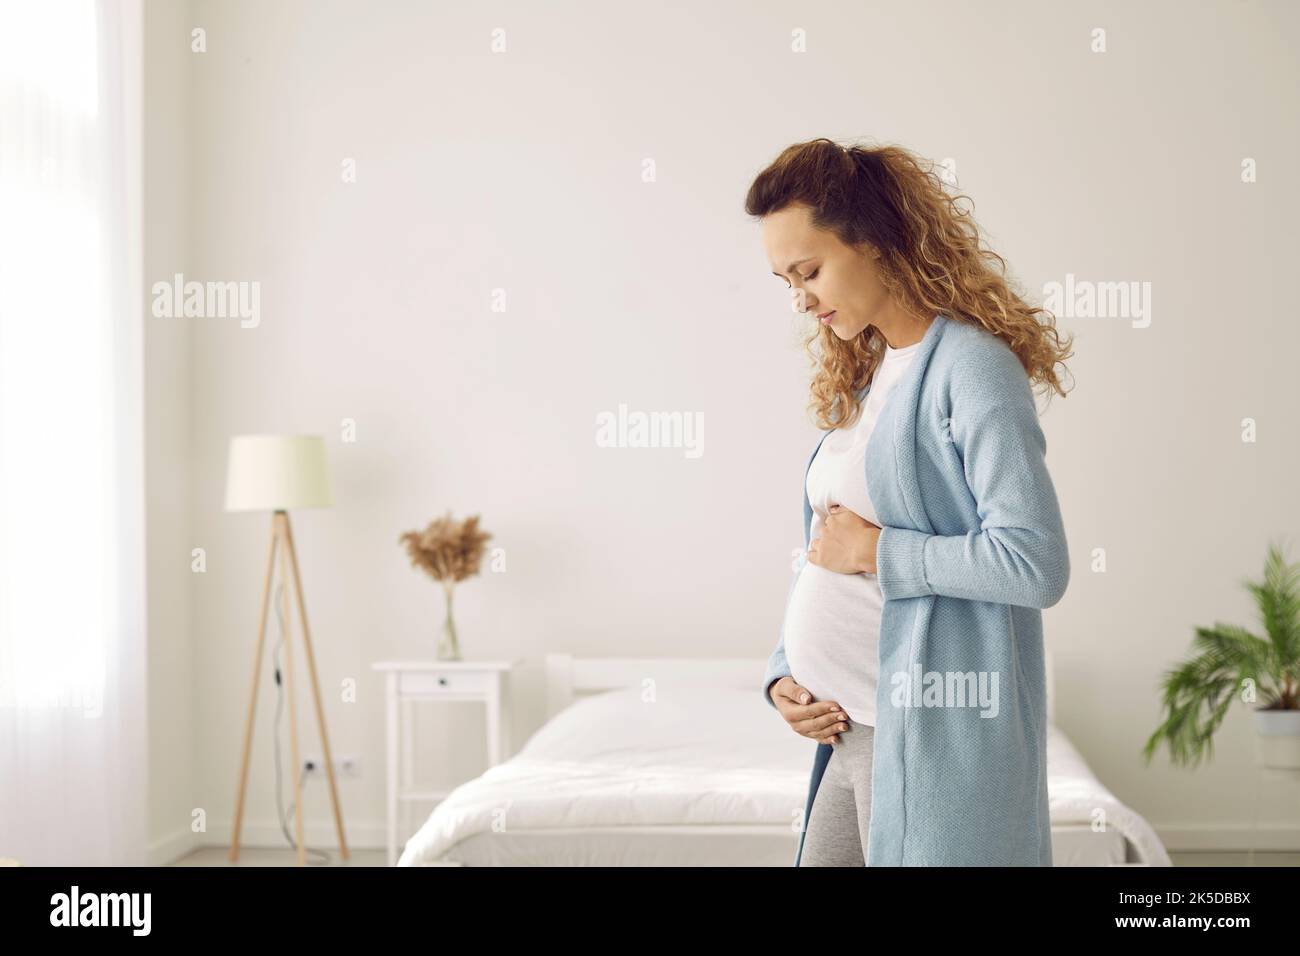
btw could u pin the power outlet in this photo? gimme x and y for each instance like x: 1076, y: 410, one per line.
x: 345, y: 765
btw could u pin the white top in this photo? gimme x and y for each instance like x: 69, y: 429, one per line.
x: 832, y: 621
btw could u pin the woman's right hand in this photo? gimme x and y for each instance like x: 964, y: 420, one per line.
x: 818, y: 720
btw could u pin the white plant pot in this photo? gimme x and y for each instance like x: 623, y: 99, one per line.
x: 1277, y: 739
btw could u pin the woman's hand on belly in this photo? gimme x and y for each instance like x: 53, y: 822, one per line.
x: 847, y: 543
x: 819, y: 720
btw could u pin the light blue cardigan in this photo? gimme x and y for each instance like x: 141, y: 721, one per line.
x: 972, y: 546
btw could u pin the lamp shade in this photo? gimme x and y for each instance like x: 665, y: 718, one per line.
x: 277, y: 472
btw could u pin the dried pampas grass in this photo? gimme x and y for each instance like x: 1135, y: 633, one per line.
x: 447, y: 550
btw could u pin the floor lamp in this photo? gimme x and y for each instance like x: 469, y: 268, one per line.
x: 275, y: 473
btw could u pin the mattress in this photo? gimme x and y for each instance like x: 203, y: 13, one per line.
x: 699, y: 776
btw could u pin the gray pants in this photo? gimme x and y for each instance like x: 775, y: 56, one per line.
x: 837, y: 829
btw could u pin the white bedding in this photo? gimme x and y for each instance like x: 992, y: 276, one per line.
x: 1075, y: 796
x: 694, y: 756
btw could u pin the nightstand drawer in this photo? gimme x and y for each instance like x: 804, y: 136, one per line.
x: 450, y: 682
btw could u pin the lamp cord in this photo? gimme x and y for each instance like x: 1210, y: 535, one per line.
x: 321, y: 857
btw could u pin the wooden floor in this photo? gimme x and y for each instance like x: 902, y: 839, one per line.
x: 216, y: 856
x: 1199, y: 858
x: 220, y: 856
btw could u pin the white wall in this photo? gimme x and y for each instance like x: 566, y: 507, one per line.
x: 523, y: 171
x: 167, y: 228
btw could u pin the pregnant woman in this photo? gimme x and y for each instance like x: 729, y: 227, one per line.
x: 912, y: 645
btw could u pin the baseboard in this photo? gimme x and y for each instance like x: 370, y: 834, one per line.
x: 1177, y: 838
x: 1229, y: 838
x: 172, y: 847
x: 362, y: 836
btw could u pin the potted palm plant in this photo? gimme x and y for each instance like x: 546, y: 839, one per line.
x: 1231, y: 660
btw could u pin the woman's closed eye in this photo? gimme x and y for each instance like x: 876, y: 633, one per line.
x: 807, y: 278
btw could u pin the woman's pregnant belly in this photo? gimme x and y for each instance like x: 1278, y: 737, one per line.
x: 832, y: 638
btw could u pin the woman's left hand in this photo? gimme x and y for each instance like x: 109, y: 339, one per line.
x: 847, y: 543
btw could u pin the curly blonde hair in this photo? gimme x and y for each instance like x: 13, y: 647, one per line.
x: 931, y: 261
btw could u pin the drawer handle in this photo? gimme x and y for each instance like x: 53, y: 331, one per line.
x: 442, y: 681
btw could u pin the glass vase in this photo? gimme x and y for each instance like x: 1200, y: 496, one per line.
x: 448, y: 645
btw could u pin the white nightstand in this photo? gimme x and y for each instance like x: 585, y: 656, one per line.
x: 409, y: 681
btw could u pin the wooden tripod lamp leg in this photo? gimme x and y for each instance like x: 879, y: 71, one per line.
x: 292, y: 556
x: 252, y: 703
x: 283, y: 519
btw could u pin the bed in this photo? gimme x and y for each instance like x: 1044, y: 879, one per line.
x: 678, y: 762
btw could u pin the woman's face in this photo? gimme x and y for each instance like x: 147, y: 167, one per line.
x: 824, y: 274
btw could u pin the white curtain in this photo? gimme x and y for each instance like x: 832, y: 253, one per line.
x: 73, y: 769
